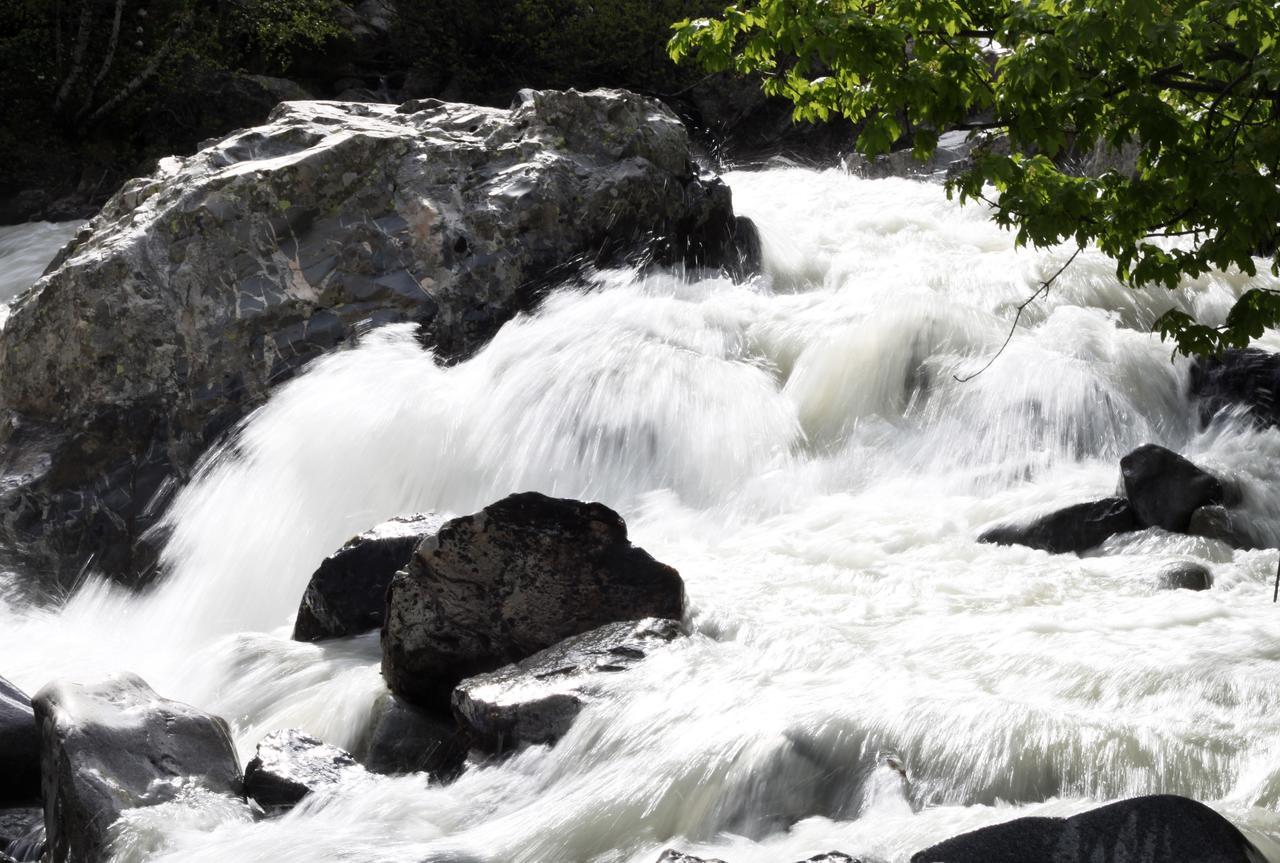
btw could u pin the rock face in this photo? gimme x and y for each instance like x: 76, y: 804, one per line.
x: 289, y: 765
x: 515, y: 578
x: 19, y: 747
x: 405, y: 739
x: 1220, y: 523
x: 1248, y: 378
x: 1074, y: 528
x: 1184, y: 576
x: 22, y: 833
x: 347, y: 594
x: 1164, y: 488
x: 536, y: 700
x: 200, y: 287
x: 116, y: 745
x: 1157, y: 829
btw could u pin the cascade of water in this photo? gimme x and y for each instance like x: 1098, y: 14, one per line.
x: 800, y: 448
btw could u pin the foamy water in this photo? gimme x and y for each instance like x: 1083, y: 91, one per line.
x: 799, y: 447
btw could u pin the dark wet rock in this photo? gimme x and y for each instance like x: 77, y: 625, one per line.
x: 672, y: 856
x: 1248, y: 379
x: 116, y: 745
x: 347, y: 594
x: 407, y: 739
x: 1184, y: 576
x: 517, y: 577
x: 1075, y: 528
x: 536, y: 700
x: 1156, y: 829
x: 1164, y: 488
x: 1225, y: 525
x: 199, y: 288
x: 290, y: 764
x: 22, y: 833
x: 19, y: 747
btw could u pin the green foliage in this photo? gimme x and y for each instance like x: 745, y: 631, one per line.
x: 1195, y: 84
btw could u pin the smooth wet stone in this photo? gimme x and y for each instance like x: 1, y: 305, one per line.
x: 347, y: 594
x: 116, y: 745
x: 536, y: 700
x: 1164, y: 488
x: 1224, y: 525
x: 407, y: 739
x: 1156, y: 829
x: 291, y: 764
x: 515, y: 578
x: 1074, y: 528
x: 19, y: 746
x: 1184, y: 576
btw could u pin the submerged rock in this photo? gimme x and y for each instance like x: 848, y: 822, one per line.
x: 290, y: 764
x: 536, y: 700
x: 1074, y: 528
x: 1164, y: 488
x: 199, y: 288
x: 347, y: 594
x: 1220, y: 523
x: 406, y: 739
x: 116, y: 745
x: 19, y: 747
x: 1157, y: 829
x: 1248, y: 378
x: 1184, y: 576
x: 520, y: 575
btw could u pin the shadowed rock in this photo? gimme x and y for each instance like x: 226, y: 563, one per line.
x: 19, y: 747
x: 1247, y: 378
x: 347, y: 594
x: 537, y: 699
x: 1074, y: 528
x: 515, y: 578
x: 1184, y: 576
x: 290, y: 764
x: 406, y: 739
x: 1224, y: 525
x: 1156, y: 829
x: 1164, y: 488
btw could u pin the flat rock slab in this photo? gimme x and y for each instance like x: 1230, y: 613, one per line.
x: 515, y: 578
x: 536, y: 700
x: 1075, y: 528
x: 1156, y: 829
x: 347, y: 594
x: 19, y: 747
x: 291, y: 764
x: 116, y: 745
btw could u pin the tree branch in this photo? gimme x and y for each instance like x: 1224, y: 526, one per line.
x: 77, y: 57
x: 147, y: 73
x: 106, y: 61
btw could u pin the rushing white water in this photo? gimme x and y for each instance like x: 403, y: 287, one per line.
x: 25, y: 250
x: 800, y: 449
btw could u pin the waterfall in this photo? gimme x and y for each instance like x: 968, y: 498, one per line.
x: 802, y: 447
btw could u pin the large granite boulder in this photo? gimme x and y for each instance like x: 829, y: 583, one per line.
x: 200, y: 287
x: 1248, y: 378
x: 347, y: 594
x: 288, y: 765
x: 520, y: 575
x: 1157, y: 829
x: 1164, y: 488
x: 407, y: 739
x: 1074, y: 528
x: 19, y: 746
x: 117, y: 745
x: 536, y: 700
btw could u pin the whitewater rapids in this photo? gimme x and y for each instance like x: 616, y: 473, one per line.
x: 799, y: 447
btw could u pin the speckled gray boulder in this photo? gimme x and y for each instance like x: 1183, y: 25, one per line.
x: 200, y: 287
x: 515, y: 578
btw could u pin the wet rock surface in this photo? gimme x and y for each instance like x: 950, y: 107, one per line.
x: 199, y: 288
x: 1225, y: 525
x: 672, y: 856
x: 1164, y: 488
x: 22, y: 833
x: 116, y: 745
x: 536, y: 700
x: 406, y: 739
x: 1184, y: 576
x: 347, y: 593
x: 19, y: 747
x: 515, y: 578
x: 291, y: 764
x: 1247, y: 379
x: 1155, y: 829
x: 1074, y: 528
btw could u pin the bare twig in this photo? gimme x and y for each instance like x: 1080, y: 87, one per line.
x: 106, y: 61
x: 1041, y: 291
x: 77, y: 57
x: 147, y: 73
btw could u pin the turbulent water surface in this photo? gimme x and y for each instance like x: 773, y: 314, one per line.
x: 799, y: 447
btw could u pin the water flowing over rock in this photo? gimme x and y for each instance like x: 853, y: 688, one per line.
x: 115, y: 745
x: 1164, y: 488
x: 22, y: 833
x: 19, y: 746
x: 1075, y: 528
x: 1248, y: 378
x: 1156, y: 829
x: 672, y: 856
x: 536, y: 700
x: 405, y: 739
x: 347, y: 595
x: 515, y: 578
x: 290, y: 764
x: 1184, y: 576
x: 1220, y: 523
x: 200, y: 287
